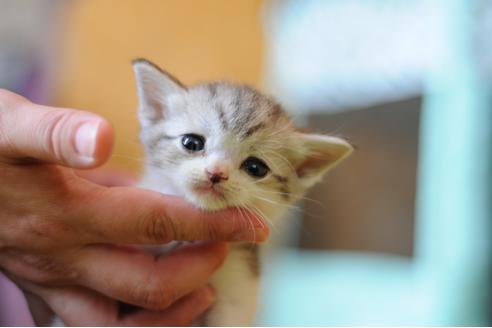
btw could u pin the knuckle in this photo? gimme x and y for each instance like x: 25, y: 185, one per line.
x: 40, y: 233
x: 26, y: 229
x: 53, y: 129
x: 158, y: 227
x: 45, y: 269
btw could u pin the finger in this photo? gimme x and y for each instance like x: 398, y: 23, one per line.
x: 31, y: 267
x: 77, y: 306
x: 62, y: 136
x: 136, y: 216
x: 182, y: 313
x: 140, y: 278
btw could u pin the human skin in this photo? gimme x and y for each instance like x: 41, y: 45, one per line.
x: 61, y: 235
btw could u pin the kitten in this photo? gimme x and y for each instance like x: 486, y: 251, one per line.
x: 223, y: 145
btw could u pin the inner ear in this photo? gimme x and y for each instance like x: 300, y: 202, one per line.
x: 154, y: 87
x: 321, y: 154
x: 315, y: 161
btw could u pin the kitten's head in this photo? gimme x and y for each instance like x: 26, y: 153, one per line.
x: 222, y: 145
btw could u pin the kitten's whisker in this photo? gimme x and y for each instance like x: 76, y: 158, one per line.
x: 335, y: 132
x: 248, y: 218
x: 261, y: 221
x: 243, y: 216
x: 275, y: 203
x: 296, y: 197
x: 315, y: 201
x: 266, y: 218
x: 272, y: 201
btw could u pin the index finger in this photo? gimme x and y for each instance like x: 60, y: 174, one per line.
x: 124, y: 215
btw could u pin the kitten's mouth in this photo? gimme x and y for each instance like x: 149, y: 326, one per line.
x: 210, y: 190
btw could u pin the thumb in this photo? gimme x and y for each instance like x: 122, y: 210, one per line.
x: 56, y: 135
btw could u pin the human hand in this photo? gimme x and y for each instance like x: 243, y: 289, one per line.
x: 60, y: 233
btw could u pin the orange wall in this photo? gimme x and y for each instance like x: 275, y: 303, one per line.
x: 194, y: 40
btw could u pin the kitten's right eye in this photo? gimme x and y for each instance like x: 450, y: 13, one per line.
x: 193, y: 142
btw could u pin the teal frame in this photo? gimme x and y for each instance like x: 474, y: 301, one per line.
x: 449, y: 280
x: 454, y: 228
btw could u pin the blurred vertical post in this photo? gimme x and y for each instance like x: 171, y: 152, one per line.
x: 454, y: 229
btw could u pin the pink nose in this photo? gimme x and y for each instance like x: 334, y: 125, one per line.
x: 216, y: 176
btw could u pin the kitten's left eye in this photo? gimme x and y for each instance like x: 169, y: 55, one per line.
x: 193, y: 142
x: 255, y: 167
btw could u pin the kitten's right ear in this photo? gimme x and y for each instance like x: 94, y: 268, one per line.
x: 154, y: 85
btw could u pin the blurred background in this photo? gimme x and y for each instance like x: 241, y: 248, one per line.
x: 400, y: 234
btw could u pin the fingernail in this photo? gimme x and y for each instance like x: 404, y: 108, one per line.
x: 85, y: 139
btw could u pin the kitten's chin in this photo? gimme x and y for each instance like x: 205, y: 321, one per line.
x: 207, y: 201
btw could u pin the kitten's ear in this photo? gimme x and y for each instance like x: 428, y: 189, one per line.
x: 154, y: 86
x: 321, y: 154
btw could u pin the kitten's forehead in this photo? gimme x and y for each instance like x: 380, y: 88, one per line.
x: 235, y: 108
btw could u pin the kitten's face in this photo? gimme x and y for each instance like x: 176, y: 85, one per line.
x: 221, y: 145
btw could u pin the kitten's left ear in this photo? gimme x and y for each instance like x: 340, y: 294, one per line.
x: 154, y: 86
x: 321, y: 154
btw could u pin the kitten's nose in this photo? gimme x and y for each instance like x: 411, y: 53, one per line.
x: 216, y: 176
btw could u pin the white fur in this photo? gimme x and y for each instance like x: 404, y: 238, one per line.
x: 237, y: 292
